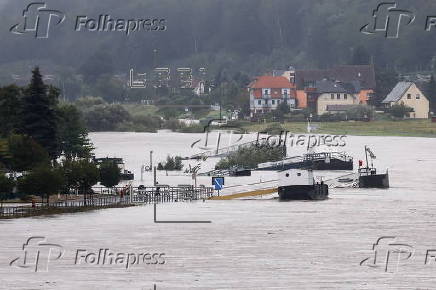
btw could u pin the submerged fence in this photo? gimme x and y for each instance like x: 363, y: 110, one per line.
x: 124, y: 197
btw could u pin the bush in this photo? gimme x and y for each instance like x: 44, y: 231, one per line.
x: 110, y: 174
x: 361, y: 112
x: 250, y: 157
x: 400, y: 111
x: 171, y: 164
x: 6, y: 186
x: 274, y: 129
x: 42, y: 181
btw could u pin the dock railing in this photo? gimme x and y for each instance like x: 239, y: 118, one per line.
x: 125, y: 196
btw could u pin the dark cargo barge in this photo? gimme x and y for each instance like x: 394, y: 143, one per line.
x: 299, y: 184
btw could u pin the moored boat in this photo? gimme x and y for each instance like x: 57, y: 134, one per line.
x: 299, y: 184
x: 368, y: 176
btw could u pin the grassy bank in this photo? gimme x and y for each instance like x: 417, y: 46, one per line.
x: 410, y: 128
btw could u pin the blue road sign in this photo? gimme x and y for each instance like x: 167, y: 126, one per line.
x: 218, y: 182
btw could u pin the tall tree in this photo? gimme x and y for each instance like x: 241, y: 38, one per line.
x: 6, y: 187
x: 43, y: 181
x: 10, y: 105
x: 23, y: 153
x: 431, y: 93
x: 73, y: 137
x: 39, y: 116
x: 386, y: 79
x: 110, y: 174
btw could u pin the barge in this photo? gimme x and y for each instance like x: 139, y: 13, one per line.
x: 299, y: 184
x: 314, y: 161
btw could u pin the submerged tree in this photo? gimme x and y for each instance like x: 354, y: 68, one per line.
x: 43, y: 181
x: 110, y: 174
x: 6, y: 186
x: 73, y: 137
x: 81, y: 175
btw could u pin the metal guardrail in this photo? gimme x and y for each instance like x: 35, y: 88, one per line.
x: 170, y: 194
x: 21, y: 211
x: 143, y: 195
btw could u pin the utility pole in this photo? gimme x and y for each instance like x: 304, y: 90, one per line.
x: 151, y: 160
x: 221, y: 96
x: 154, y: 176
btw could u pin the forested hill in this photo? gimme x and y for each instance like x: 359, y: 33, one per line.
x: 251, y: 36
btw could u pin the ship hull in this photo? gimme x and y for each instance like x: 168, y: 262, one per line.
x: 303, y: 192
x: 374, y: 181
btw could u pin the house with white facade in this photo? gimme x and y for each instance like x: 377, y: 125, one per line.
x: 268, y: 92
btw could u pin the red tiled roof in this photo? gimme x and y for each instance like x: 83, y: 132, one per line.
x: 271, y: 82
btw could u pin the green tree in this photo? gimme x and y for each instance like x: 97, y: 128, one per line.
x: 386, y: 79
x: 82, y: 175
x: 10, y: 105
x: 39, y: 116
x: 43, y: 181
x: 23, y: 153
x: 106, y: 118
x: 73, y: 137
x: 6, y: 187
x: 110, y: 174
x: 400, y: 111
x: 360, y: 112
x: 431, y: 93
x: 171, y: 164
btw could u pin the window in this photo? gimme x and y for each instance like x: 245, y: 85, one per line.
x: 338, y: 96
x: 418, y: 96
x: 333, y: 96
x: 259, y: 102
x: 273, y: 102
x: 265, y: 92
x: 409, y: 96
x: 345, y: 96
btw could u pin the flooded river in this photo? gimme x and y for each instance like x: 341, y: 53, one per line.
x: 249, y: 244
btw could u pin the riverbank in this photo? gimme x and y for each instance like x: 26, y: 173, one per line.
x: 405, y: 128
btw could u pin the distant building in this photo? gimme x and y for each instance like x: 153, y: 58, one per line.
x: 329, y: 96
x: 267, y: 92
x: 364, y: 74
x: 409, y: 94
x: 199, y: 87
